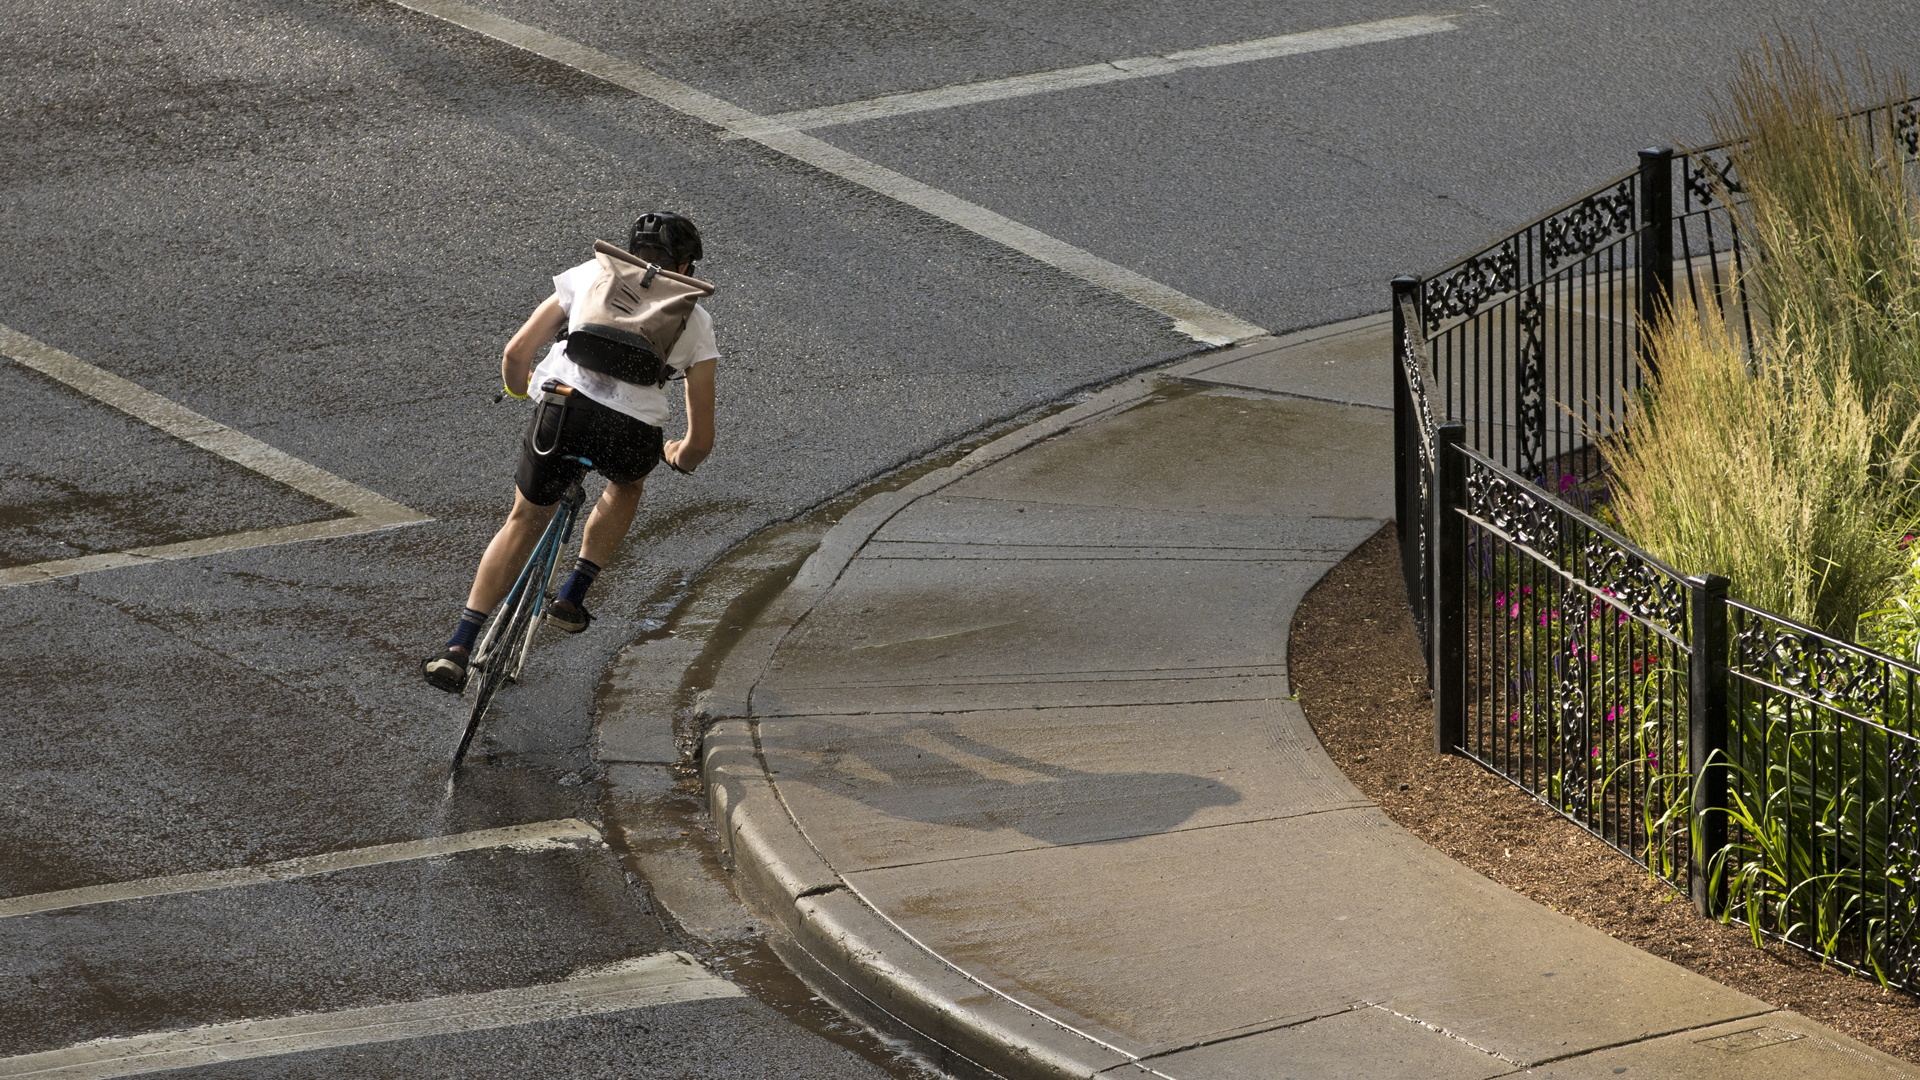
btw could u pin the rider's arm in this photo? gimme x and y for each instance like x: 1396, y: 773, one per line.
x: 516, y: 364
x: 692, y: 450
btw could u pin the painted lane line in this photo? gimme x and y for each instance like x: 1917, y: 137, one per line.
x: 1191, y: 317
x: 644, y: 982
x: 1113, y: 71
x: 367, y: 511
x: 535, y: 835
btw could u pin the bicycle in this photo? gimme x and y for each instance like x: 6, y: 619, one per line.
x: 502, y: 650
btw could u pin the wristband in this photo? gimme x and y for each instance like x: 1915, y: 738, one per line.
x: 507, y: 390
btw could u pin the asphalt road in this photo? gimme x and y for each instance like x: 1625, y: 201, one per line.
x: 317, y: 221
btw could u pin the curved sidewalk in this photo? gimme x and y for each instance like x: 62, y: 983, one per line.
x: 1015, y: 758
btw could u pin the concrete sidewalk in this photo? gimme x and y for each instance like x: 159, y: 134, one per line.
x: 1015, y: 758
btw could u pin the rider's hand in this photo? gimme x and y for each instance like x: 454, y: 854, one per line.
x: 670, y: 453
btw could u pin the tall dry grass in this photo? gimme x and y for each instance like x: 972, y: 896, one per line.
x: 1788, y: 470
x: 1830, y: 213
x: 1765, y: 474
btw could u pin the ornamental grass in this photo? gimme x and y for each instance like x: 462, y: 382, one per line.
x: 1788, y: 468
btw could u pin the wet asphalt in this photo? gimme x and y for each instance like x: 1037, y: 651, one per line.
x: 317, y: 221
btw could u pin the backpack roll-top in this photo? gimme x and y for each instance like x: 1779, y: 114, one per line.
x: 625, y: 323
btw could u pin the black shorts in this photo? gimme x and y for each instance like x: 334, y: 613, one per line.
x: 621, y: 448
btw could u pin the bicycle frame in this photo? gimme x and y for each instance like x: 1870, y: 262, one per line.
x: 543, y: 562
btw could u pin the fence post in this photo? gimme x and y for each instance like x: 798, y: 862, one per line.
x: 1707, y: 737
x: 1448, y: 627
x: 1656, y: 240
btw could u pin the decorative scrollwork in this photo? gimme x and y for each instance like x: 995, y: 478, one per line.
x: 1576, y: 232
x: 1906, y: 128
x: 1898, y: 950
x: 1815, y: 667
x: 1417, y: 387
x: 1531, y: 421
x: 1644, y: 590
x: 1550, y: 528
x: 1588, y: 225
x: 1465, y: 288
x: 1518, y: 509
x: 1707, y: 177
x: 1572, y: 689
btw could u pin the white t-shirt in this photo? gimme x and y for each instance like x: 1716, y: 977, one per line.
x: 645, y: 403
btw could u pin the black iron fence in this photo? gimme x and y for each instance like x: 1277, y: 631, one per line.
x: 1767, y: 769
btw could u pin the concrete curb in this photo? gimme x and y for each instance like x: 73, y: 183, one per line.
x: 780, y: 869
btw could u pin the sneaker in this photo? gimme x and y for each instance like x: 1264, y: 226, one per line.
x: 448, y: 671
x: 569, y: 616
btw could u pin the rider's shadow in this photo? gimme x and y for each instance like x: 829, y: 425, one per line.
x: 939, y: 776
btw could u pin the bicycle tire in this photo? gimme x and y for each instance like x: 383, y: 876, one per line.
x: 498, y: 664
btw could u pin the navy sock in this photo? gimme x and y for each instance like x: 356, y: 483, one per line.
x: 575, y: 589
x: 468, y: 629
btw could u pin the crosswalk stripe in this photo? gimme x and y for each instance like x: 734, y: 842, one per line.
x: 541, y: 833
x: 643, y: 982
x: 1112, y: 71
x: 1193, y: 318
x: 368, y: 512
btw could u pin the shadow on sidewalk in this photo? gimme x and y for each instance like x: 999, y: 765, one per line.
x: 939, y: 775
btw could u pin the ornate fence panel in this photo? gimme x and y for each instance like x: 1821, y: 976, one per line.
x: 1577, y: 666
x: 1769, y: 769
x: 1823, y: 802
x: 1532, y: 341
x: 1413, y: 453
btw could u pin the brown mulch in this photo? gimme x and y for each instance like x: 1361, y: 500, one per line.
x: 1356, y: 665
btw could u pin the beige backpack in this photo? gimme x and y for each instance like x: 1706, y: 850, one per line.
x: 625, y: 323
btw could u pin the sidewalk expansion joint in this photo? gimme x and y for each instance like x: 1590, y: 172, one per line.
x: 1316, y: 812
x: 1250, y: 1030
x: 1437, y: 1029
x: 758, y: 718
x: 1649, y: 1036
x: 1293, y: 394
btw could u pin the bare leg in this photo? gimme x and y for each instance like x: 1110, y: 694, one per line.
x: 607, y: 525
x: 508, y: 552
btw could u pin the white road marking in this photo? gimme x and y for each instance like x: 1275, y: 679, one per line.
x: 644, y: 982
x: 533, y: 837
x: 369, y: 512
x: 1191, y: 317
x: 1113, y: 71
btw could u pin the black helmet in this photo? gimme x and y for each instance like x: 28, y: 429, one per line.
x: 667, y: 234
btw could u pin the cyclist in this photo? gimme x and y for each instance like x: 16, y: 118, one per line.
x: 613, y: 424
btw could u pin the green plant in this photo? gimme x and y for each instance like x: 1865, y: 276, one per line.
x: 1767, y: 473
x: 1810, y: 806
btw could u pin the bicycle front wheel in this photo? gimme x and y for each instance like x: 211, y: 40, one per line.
x: 499, y: 660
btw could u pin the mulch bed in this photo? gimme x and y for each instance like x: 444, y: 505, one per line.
x: 1356, y: 665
